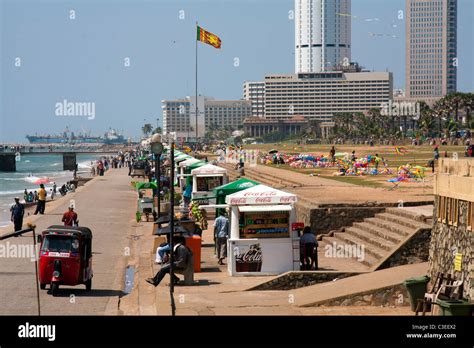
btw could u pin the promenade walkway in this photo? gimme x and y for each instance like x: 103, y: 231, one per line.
x: 107, y: 206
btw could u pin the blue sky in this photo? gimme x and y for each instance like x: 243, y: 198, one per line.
x: 82, y: 59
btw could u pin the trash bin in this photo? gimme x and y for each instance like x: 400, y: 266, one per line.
x: 416, y: 288
x: 454, y: 307
x: 194, y: 243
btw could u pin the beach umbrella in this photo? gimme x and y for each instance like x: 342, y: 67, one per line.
x: 42, y: 181
x: 145, y: 185
x: 273, y: 151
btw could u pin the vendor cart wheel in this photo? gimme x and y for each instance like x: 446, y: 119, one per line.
x: 42, y: 286
x: 89, y: 285
x: 54, y: 289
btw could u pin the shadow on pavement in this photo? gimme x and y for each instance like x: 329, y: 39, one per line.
x: 66, y: 292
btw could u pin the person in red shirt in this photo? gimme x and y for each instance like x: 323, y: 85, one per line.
x: 70, y: 217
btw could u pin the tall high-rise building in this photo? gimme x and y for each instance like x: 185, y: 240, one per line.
x: 255, y: 92
x: 431, y: 48
x: 322, y: 35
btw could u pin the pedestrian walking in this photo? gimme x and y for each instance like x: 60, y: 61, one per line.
x: 70, y: 217
x: 18, y: 211
x: 221, y: 233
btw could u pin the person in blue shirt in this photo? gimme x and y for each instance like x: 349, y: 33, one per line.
x: 18, y: 211
x: 221, y: 233
x: 187, y: 194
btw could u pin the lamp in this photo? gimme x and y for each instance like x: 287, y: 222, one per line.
x: 157, y: 149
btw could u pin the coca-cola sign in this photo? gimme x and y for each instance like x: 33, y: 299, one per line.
x: 237, y: 201
x: 248, y: 260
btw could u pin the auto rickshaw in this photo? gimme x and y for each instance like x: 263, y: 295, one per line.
x: 65, y: 257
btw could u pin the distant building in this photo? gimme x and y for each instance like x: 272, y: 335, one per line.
x: 319, y: 95
x: 255, y: 92
x: 322, y: 34
x: 257, y: 126
x: 452, y: 236
x: 179, y: 115
x: 431, y: 48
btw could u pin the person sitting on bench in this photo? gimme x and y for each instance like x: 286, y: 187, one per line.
x: 180, y: 262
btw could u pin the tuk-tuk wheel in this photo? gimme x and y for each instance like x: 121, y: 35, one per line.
x: 54, y: 289
x: 89, y: 285
x: 42, y: 286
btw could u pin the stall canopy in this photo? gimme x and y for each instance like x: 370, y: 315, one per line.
x: 188, y: 162
x: 196, y: 165
x: 208, y: 169
x: 235, y: 186
x: 260, y: 194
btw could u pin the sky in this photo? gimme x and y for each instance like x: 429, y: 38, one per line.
x: 125, y: 56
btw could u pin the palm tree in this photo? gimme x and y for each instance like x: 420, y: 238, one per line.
x: 147, y: 129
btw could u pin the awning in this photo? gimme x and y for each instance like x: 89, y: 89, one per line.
x: 264, y: 208
x: 214, y: 206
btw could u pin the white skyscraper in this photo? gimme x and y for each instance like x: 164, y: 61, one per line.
x: 322, y: 35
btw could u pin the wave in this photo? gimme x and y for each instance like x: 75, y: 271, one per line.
x: 10, y: 193
x: 55, y: 164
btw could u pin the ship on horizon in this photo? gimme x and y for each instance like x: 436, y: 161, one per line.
x: 111, y: 137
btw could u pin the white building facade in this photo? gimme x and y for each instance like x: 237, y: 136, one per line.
x: 322, y: 35
x: 179, y: 115
x: 319, y: 96
x: 255, y: 93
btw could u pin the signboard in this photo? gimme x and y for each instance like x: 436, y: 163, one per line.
x: 297, y: 226
x: 260, y: 194
x: 458, y: 262
x: 264, y: 225
x: 248, y: 258
x: 69, y: 161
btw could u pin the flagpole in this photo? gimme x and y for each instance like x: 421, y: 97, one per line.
x: 196, y: 86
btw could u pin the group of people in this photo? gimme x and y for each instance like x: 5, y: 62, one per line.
x: 17, y: 211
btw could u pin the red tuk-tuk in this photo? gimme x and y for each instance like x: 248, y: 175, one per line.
x: 65, y: 257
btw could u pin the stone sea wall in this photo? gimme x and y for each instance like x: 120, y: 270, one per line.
x: 295, y: 280
x: 445, y: 241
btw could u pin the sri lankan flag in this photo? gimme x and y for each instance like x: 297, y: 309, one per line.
x: 208, y: 37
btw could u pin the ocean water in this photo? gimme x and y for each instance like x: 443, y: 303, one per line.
x: 29, y: 169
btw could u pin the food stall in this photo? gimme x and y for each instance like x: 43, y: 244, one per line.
x: 182, y: 170
x: 206, y: 178
x: 261, y: 238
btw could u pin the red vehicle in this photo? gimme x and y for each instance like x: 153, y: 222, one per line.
x: 65, y: 257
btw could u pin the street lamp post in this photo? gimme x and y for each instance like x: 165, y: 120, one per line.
x: 173, y: 307
x: 157, y: 149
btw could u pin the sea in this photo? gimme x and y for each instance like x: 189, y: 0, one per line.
x: 30, y: 168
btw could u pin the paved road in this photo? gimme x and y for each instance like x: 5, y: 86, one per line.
x: 107, y: 206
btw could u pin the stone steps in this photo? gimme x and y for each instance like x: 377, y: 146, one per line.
x: 370, y: 238
x: 381, y: 236
x: 401, y: 220
x: 379, y: 232
x: 366, y: 263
